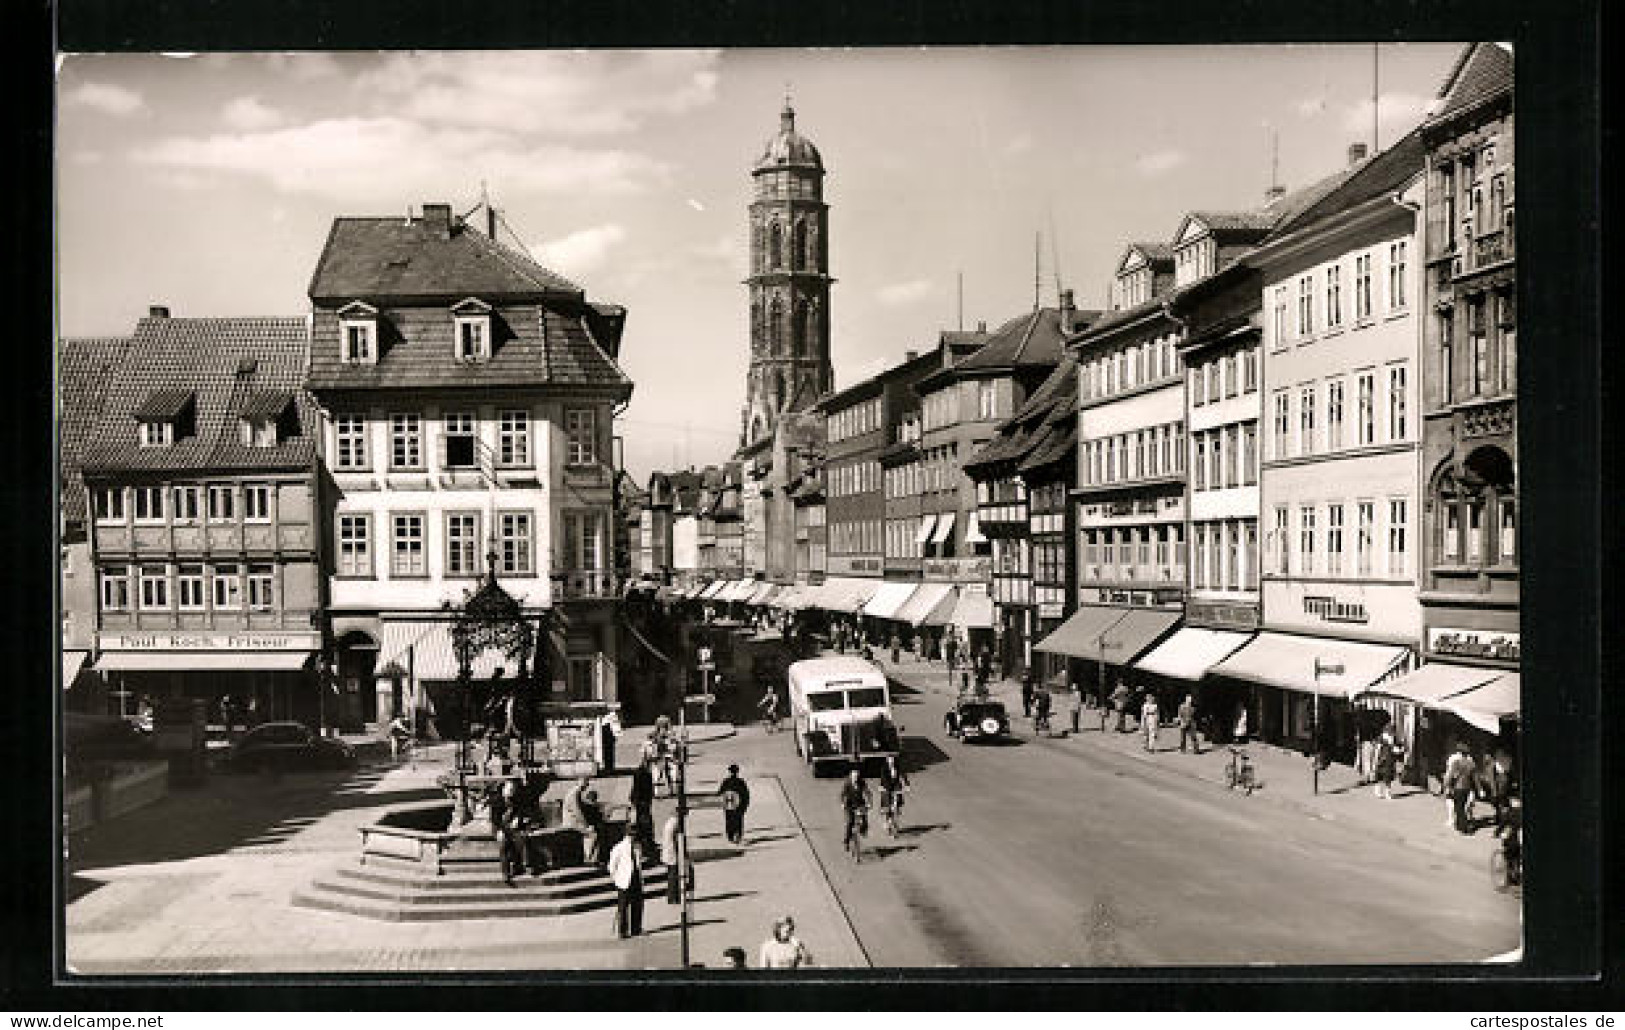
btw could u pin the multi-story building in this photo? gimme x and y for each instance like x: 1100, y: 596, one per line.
x: 208, y: 504
x: 669, y: 496
x: 1338, y: 286
x: 1468, y: 522
x: 85, y: 370
x: 855, y: 422
x: 468, y: 395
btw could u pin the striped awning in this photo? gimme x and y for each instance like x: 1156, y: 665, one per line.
x: 1487, y: 704
x: 945, y: 527
x: 424, y: 650
x: 889, y: 599
x: 1288, y: 661
x: 928, y: 523
x: 72, y: 662
x: 973, y: 610
x: 931, y: 605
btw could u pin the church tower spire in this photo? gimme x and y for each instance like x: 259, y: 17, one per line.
x: 789, y: 282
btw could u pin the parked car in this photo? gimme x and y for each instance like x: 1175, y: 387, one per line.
x: 286, y: 746
x: 978, y: 718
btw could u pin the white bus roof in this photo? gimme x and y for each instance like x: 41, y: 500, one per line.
x: 836, y: 672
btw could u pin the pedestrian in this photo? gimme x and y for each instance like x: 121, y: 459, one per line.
x: 1187, y: 726
x: 626, y: 870
x: 1383, y: 764
x: 508, y: 829
x: 1460, y: 773
x: 670, y: 854
x: 1240, y: 733
x: 399, y: 734
x: 252, y: 719
x: 1498, y: 787
x: 1150, y: 719
x: 896, y: 649
x: 1120, y: 699
x: 964, y: 681
x: 582, y: 814
x: 784, y: 949
x: 226, y: 714
x: 642, y: 799
x: 1041, y: 709
x: 1077, y: 703
x: 735, y: 800
x: 950, y: 650
x: 609, y: 731
x: 1027, y: 693
x: 733, y: 958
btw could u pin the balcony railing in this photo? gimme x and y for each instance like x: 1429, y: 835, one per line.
x: 585, y: 584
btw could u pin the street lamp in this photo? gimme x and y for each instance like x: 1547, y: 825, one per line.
x: 1329, y: 669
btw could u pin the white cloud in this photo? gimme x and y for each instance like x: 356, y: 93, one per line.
x: 910, y: 292
x: 582, y: 251
x: 374, y: 159
x: 1395, y: 109
x: 1160, y: 161
x: 113, y: 100
x: 570, y: 93
x: 251, y: 114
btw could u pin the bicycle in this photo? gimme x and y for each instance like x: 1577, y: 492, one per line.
x: 1239, y: 773
x: 891, y: 807
x: 1506, y: 864
x: 857, y: 827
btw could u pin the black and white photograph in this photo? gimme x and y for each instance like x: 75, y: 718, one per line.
x: 949, y: 507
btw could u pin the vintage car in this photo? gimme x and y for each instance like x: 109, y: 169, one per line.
x: 286, y: 747
x: 977, y: 717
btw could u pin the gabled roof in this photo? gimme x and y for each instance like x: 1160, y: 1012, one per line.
x: 1026, y: 341
x: 164, y: 404
x: 1156, y: 254
x: 394, y: 257
x: 1221, y: 222
x: 1385, y: 174
x: 227, y: 364
x: 1482, y: 71
x: 85, y: 371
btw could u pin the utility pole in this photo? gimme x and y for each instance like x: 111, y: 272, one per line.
x: 1375, y: 95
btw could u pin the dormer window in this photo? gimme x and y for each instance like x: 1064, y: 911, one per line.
x: 267, y: 418
x: 157, y: 434
x: 472, y: 332
x: 164, y: 417
x: 358, y: 333
x: 258, y: 432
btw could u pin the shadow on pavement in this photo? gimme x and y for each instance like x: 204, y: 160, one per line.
x: 698, y: 855
x: 727, y: 896
x: 884, y: 851
x: 771, y: 839
x: 922, y: 830
x: 670, y: 927
x: 79, y: 886
x: 921, y: 753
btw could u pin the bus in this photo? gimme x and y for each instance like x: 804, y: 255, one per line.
x: 840, y: 708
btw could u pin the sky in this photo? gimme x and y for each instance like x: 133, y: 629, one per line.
x: 207, y: 182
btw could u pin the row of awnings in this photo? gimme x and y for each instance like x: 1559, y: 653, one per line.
x: 937, y: 528
x: 917, y: 604
x: 1140, y: 638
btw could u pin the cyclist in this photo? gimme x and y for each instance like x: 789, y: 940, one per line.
x: 893, y: 783
x: 400, y: 737
x: 769, y: 704
x: 1041, y: 706
x: 855, y: 800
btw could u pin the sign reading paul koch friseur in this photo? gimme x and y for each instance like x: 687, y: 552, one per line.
x: 206, y: 641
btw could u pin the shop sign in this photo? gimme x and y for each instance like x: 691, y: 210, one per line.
x: 1168, y: 595
x: 957, y: 570
x: 1330, y: 609
x: 1474, y: 643
x: 1049, y: 609
x: 860, y: 566
x: 206, y: 641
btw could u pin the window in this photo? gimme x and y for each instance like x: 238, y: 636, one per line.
x: 1507, y: 552
x: 261, y: 588
x: 1306, y: 539
x: 1479, y: 345
x: 581, y: 436
x: 360, y: 341
x: 1282, y: 422
x: 1306, y: 305
x: 1368, y: 403
x: 259, y: 432
x: 1250, y: 555
x: 1334, y: 415
x: 1507, y: 344
x: 1396, y: 536
x: 1475, y: 530
x: 187, y: 506
x: 1201, y: 460
x: 1230, y: 363
x: 1334, y: 539
x: 1334, y: 296
x: 350, y: 438
x: 149, y: 504
x: 513, y: 438
x: 256, y: 502
x: 460, y: 440
x: 1306, y: 420
x: 1211, y: 370
x: 406, y: 441
x: 189, y: 588
x: 1447, y: 191
x: 584, y: 537
x: 1249, y: 370
x: 1450, y: 542
x: 407, y: 549
x: 355, y: 545
x: 473, y: 338
x: 157, y: 434
x: 222, y: 503
x: 1198, y: 386
x: 1447, y: 364
x: 462, y: 543
x: 1362, y: 288
x: 1279, y: 322
x: 1396, y: 276
x: 109, y: 502
x: 515, y: 542
x: 1396, y: 403
x: 1366, y: 513
x: 1283, y: 541
x: 987, y: 399
x: 1249, y: 453
x: 154, y: 587
x: 228, y: 588
x: 116, y: 588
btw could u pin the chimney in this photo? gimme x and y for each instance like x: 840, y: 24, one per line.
x: 1273, y: 194
x: 437, y: 219
x: 1068, y: 310
x: 1357, y: 153
x: 158, y: 311
x: 981, y: 326
x: 910, y: 355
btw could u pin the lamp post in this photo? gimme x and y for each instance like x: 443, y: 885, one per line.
x: 1329, y: 669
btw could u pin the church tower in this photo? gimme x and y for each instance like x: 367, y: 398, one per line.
x: 789, y: 282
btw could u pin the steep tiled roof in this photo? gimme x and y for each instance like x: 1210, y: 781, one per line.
x: 393, y: 257
x: 209, y: 358
x: 1387, y: 173
x: 1007, y: 446
x: 1235, y: 221
x: 1061, y: 442
x: 1482, y: 71
x: 85, y: 370
x: 1156, y: 253
x: 1119, y: 317
x: 1031, y: 340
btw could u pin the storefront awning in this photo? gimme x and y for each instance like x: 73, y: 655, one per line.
x: 973, y: 530
x: 763, y: 594
x: 789, y: 598
x: 72, y: 661
x: 1079, y: 636
x: 1286, y: 661
x: 945, y: 527
x: 1431, y: 682
x: 202, y: 661
x: 1190, y: 652
x: 1487, y: 704
x: 846, y: 594
x: 931, y: 605
x: 889, y: 599
x: 712, y: 589
x: 973, y: 610
x: 927, y: 524
x: 1138, y: 630
x: 424, y: 650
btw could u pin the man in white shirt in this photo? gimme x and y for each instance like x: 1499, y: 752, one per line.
x: 626, y: 870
